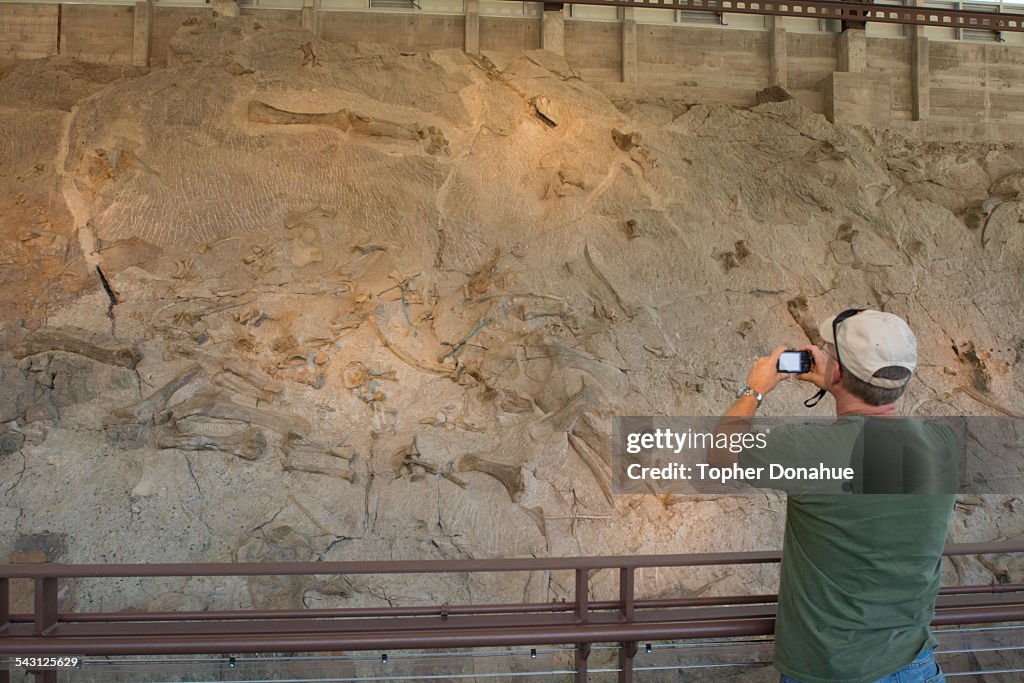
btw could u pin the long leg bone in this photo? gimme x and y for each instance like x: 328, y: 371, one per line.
x: 248, y: 444
x: 215, y: 405
x: 102, y: 348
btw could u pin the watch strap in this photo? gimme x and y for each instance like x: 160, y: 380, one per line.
x: 747, y: 391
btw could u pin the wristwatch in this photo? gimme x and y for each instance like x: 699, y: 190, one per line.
x: 747, y: 391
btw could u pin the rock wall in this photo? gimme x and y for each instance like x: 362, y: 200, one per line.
x: 290, y: 300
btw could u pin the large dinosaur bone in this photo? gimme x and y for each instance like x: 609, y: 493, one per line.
x: 100, y: 347
x: 216, y: 405
x: 510, y: 476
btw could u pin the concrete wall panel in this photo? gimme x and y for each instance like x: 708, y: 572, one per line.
x: 166, y: 22
x: 594, y: 49
x: 414, y: 32
x: 811, y: 57
x: 27, y: 31
x: 976, y: 80
x: 717, y: 66
x: 509, y: 35
x: 288, y: 16
x: 892, y: 57
x: 98, y: 33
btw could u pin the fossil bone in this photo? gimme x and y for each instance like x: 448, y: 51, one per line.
x: 296, y: 446
x: 797, y: 308
x: 594, y: 465
x: 562, y: 420
x: 248, y: 443
x: 293, y: 465
x: 242, y: 381
x: 144, y: 410
x: 214, y: 404
x: 595, y: 260
x: 511, y: 477
x: 99, y: 347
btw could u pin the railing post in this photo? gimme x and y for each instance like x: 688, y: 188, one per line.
x: 582, y: 575
x: 626, y: 583
x: 582, y: 607
x: 582, y: 654
x: 46, y: 605
x: 627, y: 651
x: 5, y: 604
x: 627, y: 580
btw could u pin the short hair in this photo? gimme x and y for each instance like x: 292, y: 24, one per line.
x: 869, y: 393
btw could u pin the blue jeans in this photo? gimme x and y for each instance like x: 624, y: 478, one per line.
x: 924, y: 669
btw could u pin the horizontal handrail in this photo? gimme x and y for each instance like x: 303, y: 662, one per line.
x: 515, y: 564
x: 459, y: 610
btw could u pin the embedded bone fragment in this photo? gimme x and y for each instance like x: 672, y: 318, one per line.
x: 609, y: 378
x: 261, y: 387
x: 626, y: 141
x: 216, y: 405
x: 540, y: 308
x: 295, y: 446
x: 260, y: 112
x: 798, y: 308
x: 413, y: 464
x: 345, y: 120
x: 293, y: 465
x: 590, y: 459
x: 511, y: 477
x: 595, y: 259
x: 144, y: 410
x: 553, y: 425
x: 99, y: 347
x: 248, y: 444
x: 596, y: 441
x: 379, y: 322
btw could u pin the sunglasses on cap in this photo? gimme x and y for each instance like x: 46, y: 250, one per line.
x: 845, y: 315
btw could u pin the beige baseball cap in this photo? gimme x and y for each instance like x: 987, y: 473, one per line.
x: 870, y: 341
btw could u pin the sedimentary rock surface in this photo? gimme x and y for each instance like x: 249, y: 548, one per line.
x: 289, y: 300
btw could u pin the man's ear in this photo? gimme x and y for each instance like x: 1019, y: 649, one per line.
x: 837, y: 371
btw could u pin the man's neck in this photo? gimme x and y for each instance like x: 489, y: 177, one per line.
x: 850, y: 405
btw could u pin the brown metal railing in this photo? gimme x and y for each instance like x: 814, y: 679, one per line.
x: 581, y: 623
x: 852, y: 12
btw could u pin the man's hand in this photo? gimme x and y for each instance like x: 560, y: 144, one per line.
x: 762, y: 378
x: 817, y: 374
x: 764, y: 374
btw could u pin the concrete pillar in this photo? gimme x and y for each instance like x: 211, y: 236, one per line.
x: 778, y: 60
x: 629, y: 74
x: 919, y: 78
x: 853, y: 51
x: 552, y: 29
x: 309, y: 17
x: 142, y: 38
x: 472, y: 41
x: 919, y: 68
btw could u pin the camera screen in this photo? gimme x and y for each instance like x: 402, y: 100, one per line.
x: 789, y: 361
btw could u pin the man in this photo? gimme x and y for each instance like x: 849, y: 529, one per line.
x: 860, y: 573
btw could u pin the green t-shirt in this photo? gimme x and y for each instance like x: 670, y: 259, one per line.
x: 859, y: 572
